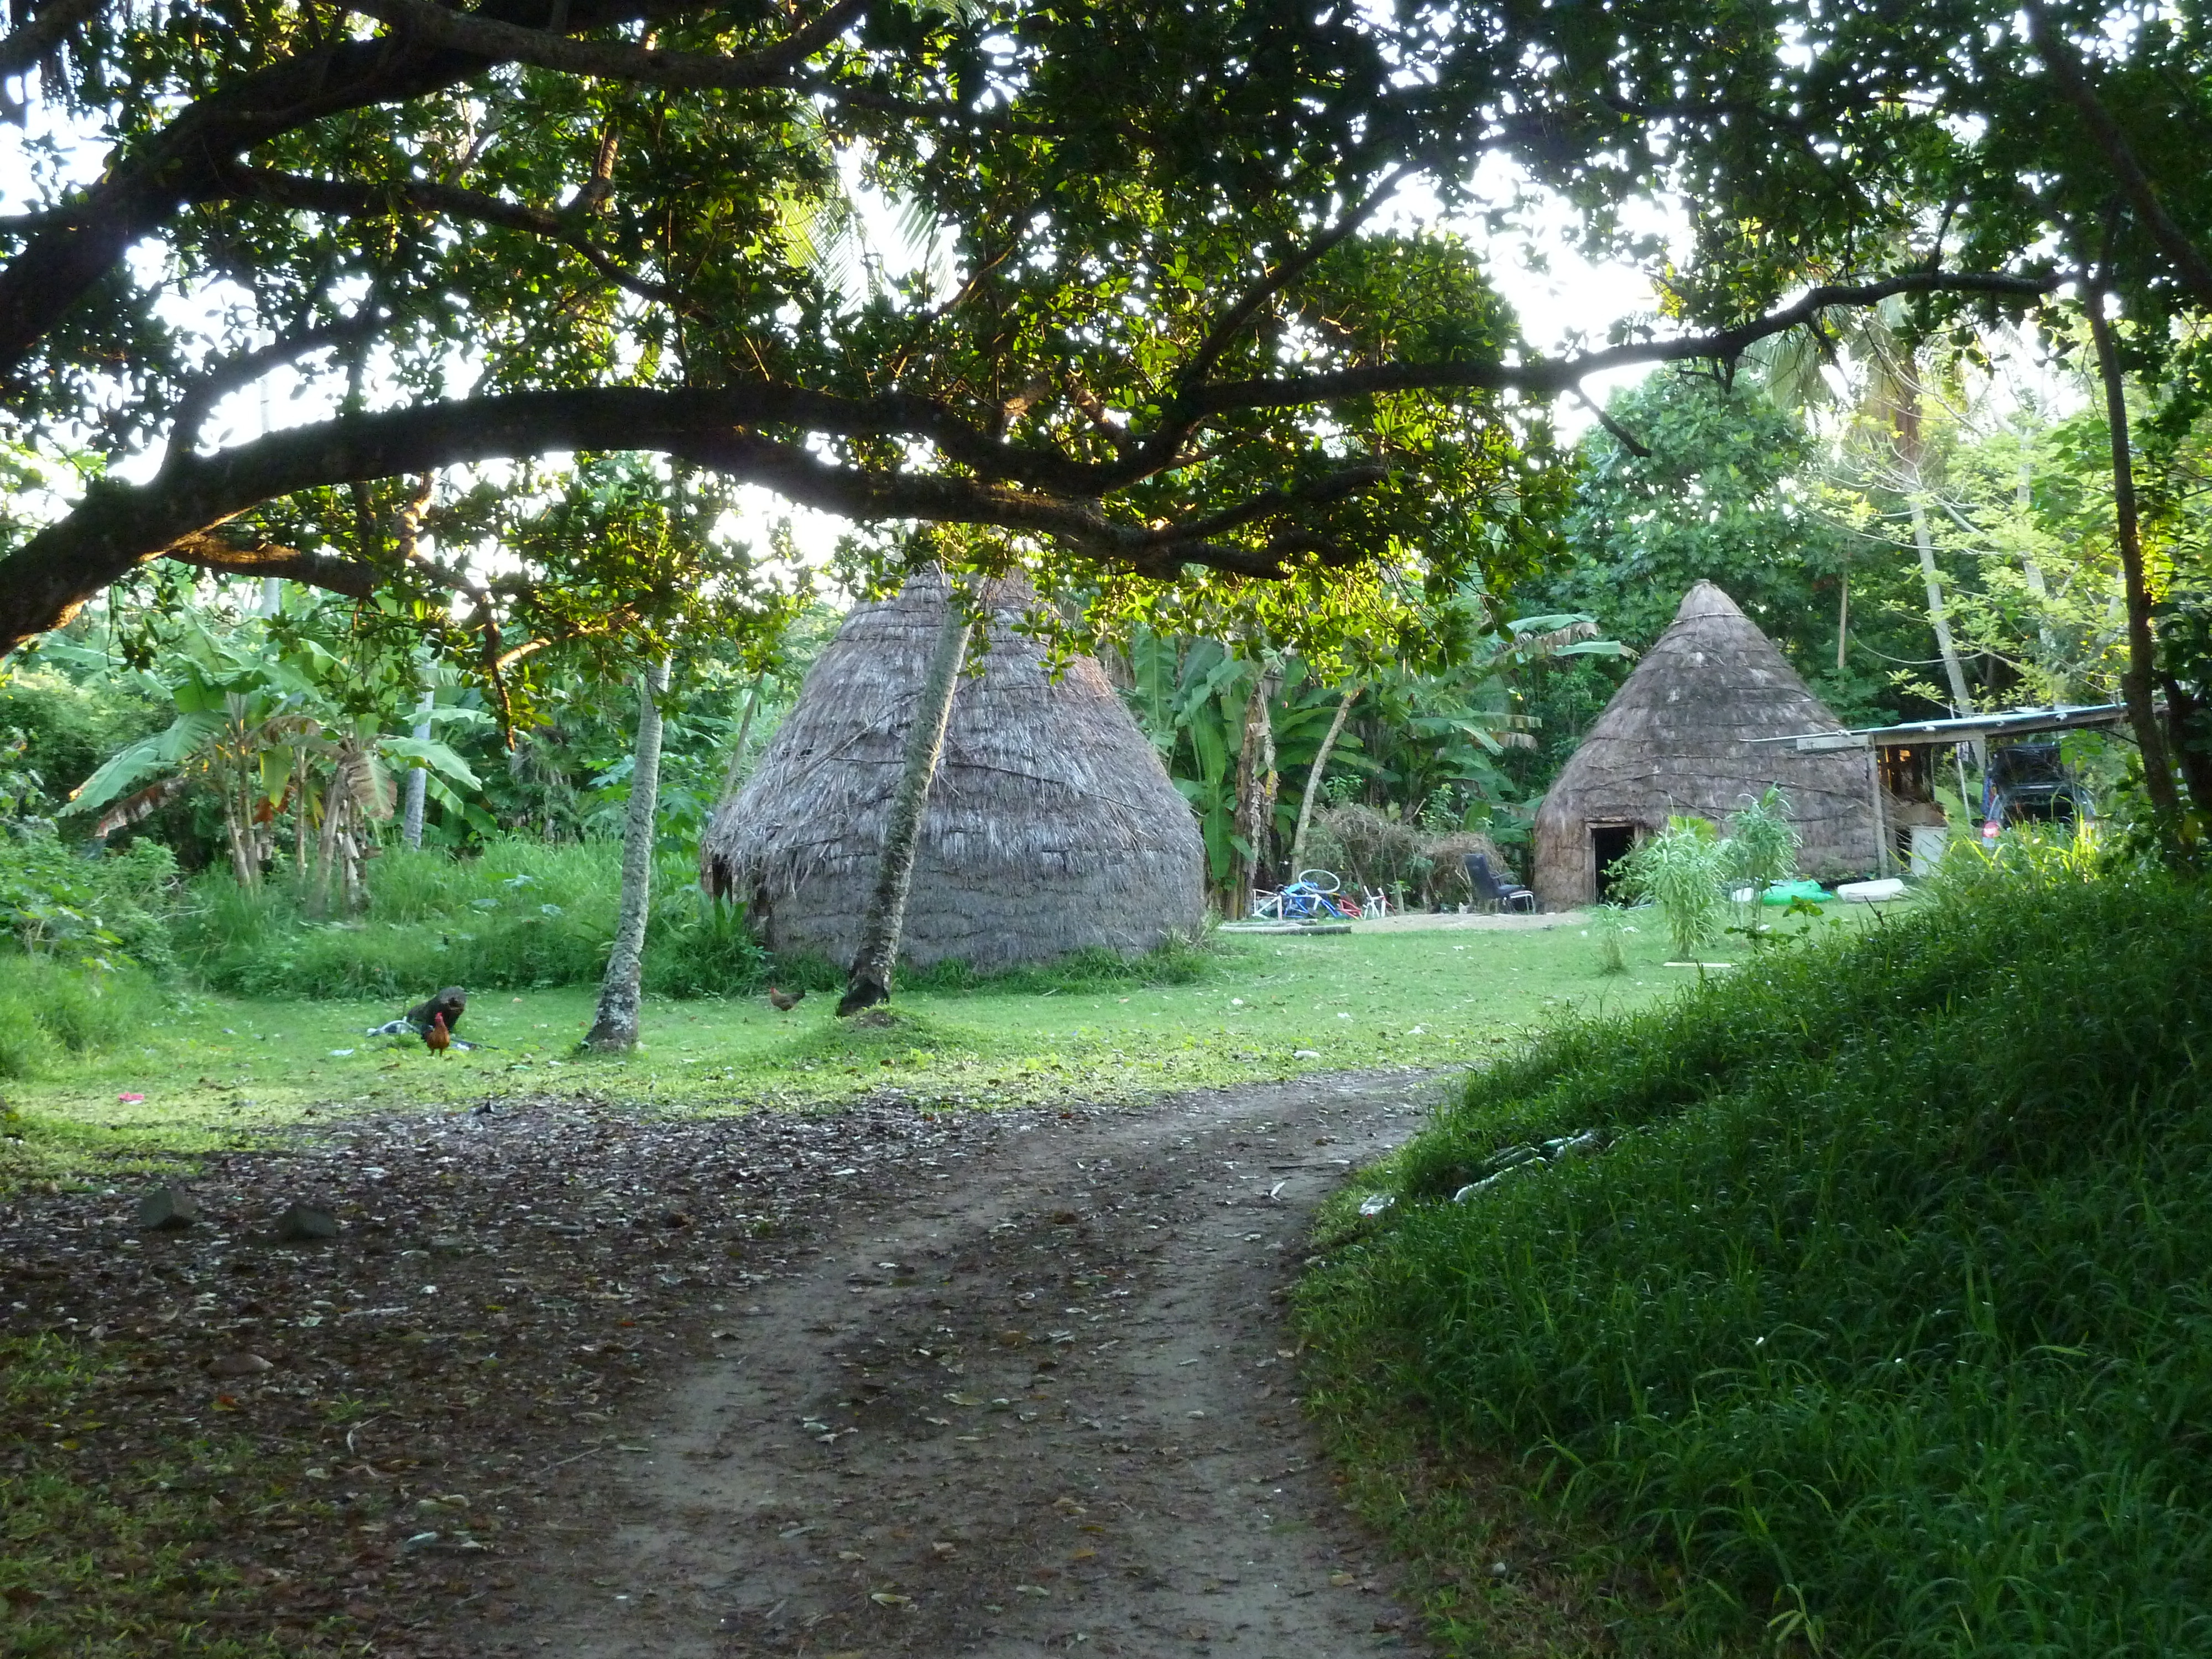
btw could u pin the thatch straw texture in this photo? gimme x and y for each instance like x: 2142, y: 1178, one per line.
x: 1677, y: 739
x: 1052, y: 825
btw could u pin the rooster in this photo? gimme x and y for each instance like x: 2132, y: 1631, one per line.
x: 437, y: 1039
x: 783, y: 1001
x: 449, y: 1005
x: 444, y: 1009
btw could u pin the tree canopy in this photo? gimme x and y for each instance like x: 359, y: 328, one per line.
x: 1168, y: 339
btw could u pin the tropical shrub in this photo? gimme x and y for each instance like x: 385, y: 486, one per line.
x: 1681, y: 869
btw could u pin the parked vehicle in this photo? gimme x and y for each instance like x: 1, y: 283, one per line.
x: 2028, y: 783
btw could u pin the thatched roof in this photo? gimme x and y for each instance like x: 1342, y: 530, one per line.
x: 1052, y: 825
x: 1676, y: 738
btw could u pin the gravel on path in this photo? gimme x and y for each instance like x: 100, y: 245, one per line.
x: 1047, y: 1403
x: 573, y: 1381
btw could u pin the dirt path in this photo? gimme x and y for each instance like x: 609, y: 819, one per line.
x: 1041, y: 1401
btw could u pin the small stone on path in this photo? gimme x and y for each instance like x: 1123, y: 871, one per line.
x: 167, y: 1209
x: 304, y: 1222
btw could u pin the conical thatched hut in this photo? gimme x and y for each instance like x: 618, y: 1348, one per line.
x: 1052, y: 825
x: 1677, y: 737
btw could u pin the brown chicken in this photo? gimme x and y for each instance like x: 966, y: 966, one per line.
x: 784, y: 1001
x: 437, y: 1039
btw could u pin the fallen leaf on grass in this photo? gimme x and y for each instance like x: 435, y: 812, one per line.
x: 888, y: 1598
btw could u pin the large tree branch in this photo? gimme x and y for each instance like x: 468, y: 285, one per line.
x: 2066, y: 68
x: 1293, y: 265
x: 1015, y: 486
x: 211, y: 552
x: 147, y: 181
x: 1552, y: 377
x: 234, y: 373
x: 424, y: 21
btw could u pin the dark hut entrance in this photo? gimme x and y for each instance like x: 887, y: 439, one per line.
x: 1609, y: 842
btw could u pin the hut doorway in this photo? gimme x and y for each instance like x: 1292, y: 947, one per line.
x: 1608, y: 843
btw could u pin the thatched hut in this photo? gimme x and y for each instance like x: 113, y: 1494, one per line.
x: 1678, y: 737
x: 1052, y: 825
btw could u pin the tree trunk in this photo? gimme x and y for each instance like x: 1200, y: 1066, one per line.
x: 335, y: 799
x: 1842, y: 620
x: 1256, y: 786
x: 869, y: 981
x: 1314, y: 776
x: 301, y: 802
x: 241, y: 861
x: 1931, y: 578
x: 614, y: 1029
x: 418, y: 777
x: 732, y: 776
x: 2136, y: 682
x: 2039, y: 589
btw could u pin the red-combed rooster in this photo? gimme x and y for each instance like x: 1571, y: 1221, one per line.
x: 437, y: 1039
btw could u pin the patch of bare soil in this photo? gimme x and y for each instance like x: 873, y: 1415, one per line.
x: 881, y: 1381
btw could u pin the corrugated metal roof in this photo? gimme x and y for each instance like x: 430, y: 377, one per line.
x: 2013, y: 723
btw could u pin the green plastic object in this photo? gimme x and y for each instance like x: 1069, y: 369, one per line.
x: 1782, y: 892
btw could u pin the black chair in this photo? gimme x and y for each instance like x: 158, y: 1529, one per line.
x: 1491, y: 890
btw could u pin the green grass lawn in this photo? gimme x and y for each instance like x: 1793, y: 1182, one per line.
x: 217, y: 1068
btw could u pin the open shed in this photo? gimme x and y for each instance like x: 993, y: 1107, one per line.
x: 1692, y: 731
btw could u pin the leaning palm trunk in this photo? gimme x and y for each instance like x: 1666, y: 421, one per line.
x: 733, y: 775
x: 614, y: 1029
x: 869, y: 981
x: 1314, y: 781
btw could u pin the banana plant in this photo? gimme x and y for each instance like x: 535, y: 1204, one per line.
x: 1420, y: 737
x: 255, y: 719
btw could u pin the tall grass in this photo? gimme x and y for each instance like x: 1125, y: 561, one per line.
x: 51, y: 1010
x: 1884, y: 1314
x: 522, y: 915
x: 528, y: 914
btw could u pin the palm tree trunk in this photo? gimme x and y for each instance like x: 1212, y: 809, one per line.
x: 334, y: 804
x: 869, y: 981
x: 615, y: 1028
x: 2136, y: 682
x: 733, y: 775
x: 1932, y: 579
x: 1314, y: 781
x: 418, y: 777
x: 1256, y: 788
